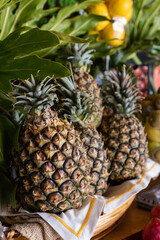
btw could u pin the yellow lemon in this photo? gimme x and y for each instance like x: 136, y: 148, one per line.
x: 113, y: 35
x: 102, y: 10
x: 121, y: 8
x: 94, y: 32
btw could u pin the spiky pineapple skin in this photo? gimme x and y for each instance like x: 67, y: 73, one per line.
x: 86, y: 83
x: 98, y: 158
x: 127, y: 147
x: 53, y: 165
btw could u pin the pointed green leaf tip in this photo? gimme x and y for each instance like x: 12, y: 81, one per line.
x: 120, y: 93
x: 80, y: 56
x: 33, y: 95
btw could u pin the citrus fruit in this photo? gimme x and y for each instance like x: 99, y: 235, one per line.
x: 102, y: 10
x: 113, y: 35
x: 121, y: 8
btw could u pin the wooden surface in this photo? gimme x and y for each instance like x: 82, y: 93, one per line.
x: 132, y: 223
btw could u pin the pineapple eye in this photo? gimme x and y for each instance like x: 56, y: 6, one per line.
x: 134, y: 153
x: 58, y: 156
x: 67, y: 186
x: 37, y: 193
x: 94, y: 177
x: 76, y: 153
x: 134, y: 143
x: 100, y: 154
x: 121, y: 157
x: 124, y: 147
x: 49, y: 147
x: 78, y: 204
x: 83, y: 183
x: 94, y: 142
x: 59, y: 174
x: 138, y: 169
x: 48, y: 185
x: 82, y: 161
x: 64, y: 206
x: 36, y: 176
x: 55, y: 198
x: 77, y: 175
x: 28, y: 199
x: 97, y: 164
x: 66, y: 149
x: 70, y: 137
x: 92, y: 152
x: 102, y: 183
x: 69, y: 163
x: 75, y: 195
x: 60, y: 128
x: 27, y: 182
x: 30, y: 166
x: 47, y: 167
x: 92, y: 189
x: 38, y: 156
x: 44, y: 206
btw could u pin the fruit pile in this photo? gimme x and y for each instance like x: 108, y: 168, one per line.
x: 62, y: 157
x: 151, y: 120
x: 120, y: 11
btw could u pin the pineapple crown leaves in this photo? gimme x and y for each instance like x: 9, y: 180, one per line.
x: 74, y: 104
x: 120, y: 93
x: 33, y: 95
x: 80, y: 57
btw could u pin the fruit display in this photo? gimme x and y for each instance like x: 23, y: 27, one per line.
x: 124, y: 137
x: 52, y: 162
x: 76, y: 106
x: 151, y: 119
x: 81, y: 59
x: 120, y: 12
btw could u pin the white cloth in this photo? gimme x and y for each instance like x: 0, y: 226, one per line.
x: 79, y: 224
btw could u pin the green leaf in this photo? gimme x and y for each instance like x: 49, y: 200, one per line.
x: 25, y: 11
x: 24, y: 67
x: 6, y: 19
x: 5, y: 3
x: 6, y: 191
x: 5, y: 102
x: 7, y: 139
x: 68, y: 38
x: 34, y: 39
x: 85, y: 23
x: 66, y: 12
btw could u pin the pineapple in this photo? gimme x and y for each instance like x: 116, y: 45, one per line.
x: 53, y: 166
x: 76, y: 106
x: 124, y: 137
x: 81, y: 61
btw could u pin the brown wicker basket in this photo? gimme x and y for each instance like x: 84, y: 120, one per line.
x: 105, y: 224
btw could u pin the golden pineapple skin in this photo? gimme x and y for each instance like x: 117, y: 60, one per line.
x: 86, y: 83
x: 53, y: 165
x: 127, y: 147
x: 97, y: 156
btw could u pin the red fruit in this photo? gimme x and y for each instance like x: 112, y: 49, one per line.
x: 152, y: 230
x: 137, y: 72
x: 141, y: 84
x: 155, y: 212
x: 145, y: 69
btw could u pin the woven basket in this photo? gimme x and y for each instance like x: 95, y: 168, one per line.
x: 107, y: 222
